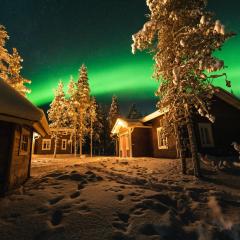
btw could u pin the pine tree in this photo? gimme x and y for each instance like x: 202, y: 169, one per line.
x: 57, y: 114
x: 113, y: 112
x: 4, y: 55
x: 112, y: 117
x: 183, y: 36
x: 14, y: 77
x: 72, y: 111
x: 99, y: 129
x: 83, y: 101
x: 93, y: 119
x: 134, y: 113
x: 10, y: 65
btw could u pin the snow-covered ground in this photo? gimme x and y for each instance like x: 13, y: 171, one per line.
x: 119, y: 199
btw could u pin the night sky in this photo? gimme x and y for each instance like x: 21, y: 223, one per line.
x: 55, y: 37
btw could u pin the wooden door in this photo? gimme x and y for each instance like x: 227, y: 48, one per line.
x: 124, y: 145
x: 6, y: 132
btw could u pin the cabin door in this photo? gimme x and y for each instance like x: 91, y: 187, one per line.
x: 124, y: 145
x: 5, y: 152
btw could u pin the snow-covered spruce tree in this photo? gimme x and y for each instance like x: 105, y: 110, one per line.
x: 99, y: 129
x: 57, y: 114
x: 14, y: 77
x: 72, y: 105
x: 112, y: 117
x: 182, y: 36
x: 92, y: 118
x: 4, y: 55
x: 10, y: 65
x: 82, y: 100
x: 113, y: 112
x: 133, y: 112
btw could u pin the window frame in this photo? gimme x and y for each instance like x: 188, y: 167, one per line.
x: 49, y: 141
x: 64, y: 140
x: 161, y: 147
x: 24, y: 140
x: 202, y: 134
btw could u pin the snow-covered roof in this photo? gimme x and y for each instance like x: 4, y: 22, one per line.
x: 154, y: 115
x: 220, y: 93
x: 16, y: 108
x: 126, y: 123
x: 227, y: 97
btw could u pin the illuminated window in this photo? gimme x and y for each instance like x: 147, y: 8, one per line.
x: 64, y: 144
x: 162, y: 139
x: 46, y: 144
x: 24, y: 142
x: 206, y: 136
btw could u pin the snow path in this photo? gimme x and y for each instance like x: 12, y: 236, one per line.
x: 117, y: 199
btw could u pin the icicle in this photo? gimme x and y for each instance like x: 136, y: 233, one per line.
x: 200, y: 111
x: 222, y: 31
x: 217, y: 27
x: 203, y: 20
x: 182, y: 43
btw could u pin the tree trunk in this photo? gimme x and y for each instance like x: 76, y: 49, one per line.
x: 193, y: 144
x: 75, y: 143
x: 180, y: 151
x: 80, y: 143
x: 55, y: 147
x: 91, y: 139
x: 80, y: 134
x: 116, y: 146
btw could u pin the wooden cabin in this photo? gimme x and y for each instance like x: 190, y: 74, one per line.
x: 19, y: 118
x: 45, y: 145
x: 145, y: 138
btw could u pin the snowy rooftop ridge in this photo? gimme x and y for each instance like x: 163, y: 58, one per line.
x: 16, y: 108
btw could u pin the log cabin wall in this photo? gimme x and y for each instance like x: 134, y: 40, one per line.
x: 142, y: 142
x: 38, y: 146
x: 6, y: 139
x: 170, y: 151
x: 225, y: 129
x: 19, y: 168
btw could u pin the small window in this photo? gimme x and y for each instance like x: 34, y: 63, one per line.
x: 206, y: 136
x: 46, y: 144
x: 64, y: 144
x: 162, y: 139
x: 25, y: 142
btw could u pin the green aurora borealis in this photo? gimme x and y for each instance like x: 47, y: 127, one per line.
x: 59, y: 35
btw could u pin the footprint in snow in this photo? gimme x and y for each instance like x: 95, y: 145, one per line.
x: 121, y: 221
x: 75, y: 194
x: 123, y: 217
x: 120, y: 197
x: 121, y: 236
x: 55, y: 200
x: 84, y: 209
x: 56, y: 217
x: 42, y: 210
x: 80, y: 186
